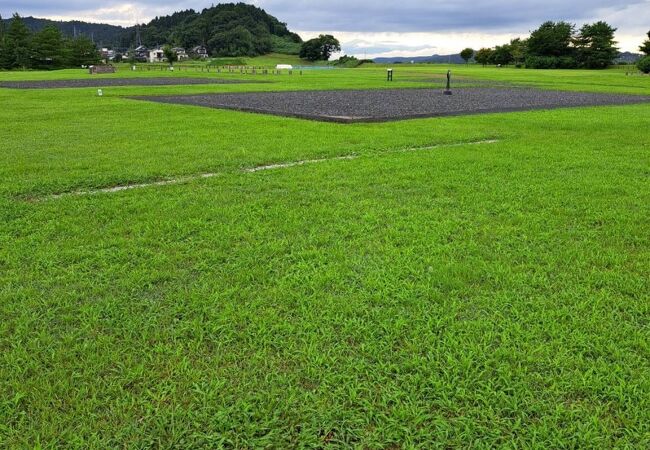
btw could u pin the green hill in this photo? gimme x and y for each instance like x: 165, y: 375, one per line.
x: 229, y: 29
x: 103, y: 34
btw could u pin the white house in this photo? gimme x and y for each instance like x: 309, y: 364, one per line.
x: 181, y: 54
x: 156, y: 55
x: 284, y: 66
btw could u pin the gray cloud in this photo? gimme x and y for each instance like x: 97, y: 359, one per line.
x: 366, y: 15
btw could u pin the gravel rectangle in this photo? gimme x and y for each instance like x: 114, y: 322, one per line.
x: 108, y: 82
x: 348, y: 106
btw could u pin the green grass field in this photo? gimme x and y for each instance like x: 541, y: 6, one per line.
x: 432, y: 292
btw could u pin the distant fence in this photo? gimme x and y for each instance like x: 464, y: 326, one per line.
x: 242, y: 70
x: 234, y: 69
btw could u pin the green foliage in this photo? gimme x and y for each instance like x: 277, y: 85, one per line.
x: 48, y: 50
x: 550, y: 62
x: 556, y: 46
x: 109, y: 35
x: 226, y: 29
x: 551, y: 39
x: 644, y: 64
x: 285, y: 45
x: 17, y: 44
x: 170, y: 54
x: 45, y: 50
x: 645, y: 47
x: 4, y: 57
x: 320, y: 48
x: 502, y: 55
x: 350, y: 62
x: 236, y: 42
x: 595, y: 46
x: 82, y: 52
x: 518, y: 50
x: 467, y: 54
x: 484, y: 56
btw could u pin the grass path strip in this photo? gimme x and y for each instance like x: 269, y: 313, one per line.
x: 186, y: 179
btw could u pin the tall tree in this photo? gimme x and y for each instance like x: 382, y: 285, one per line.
x: 645, y: 47
x: 550, y: 47
x: 17, y: 43
x: 551, y: 39
x: 518, y: 48
x: 467, y: 54
x: 595, y: 45
x: 320, y: 48
x: 4, y: 59
x: 82, y: 52
x: 502, y: 55
x: 47, y: 49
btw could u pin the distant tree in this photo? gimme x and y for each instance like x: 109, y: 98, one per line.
x: 170, y: 54
x: 4, y: 58
x: 502, y: 55
x: 320, y: 48
x: 131, y: 58
x: 82, y: 52
x: 551, y: 39
x: 644, y: 64
x: 518, y: 48
x: 595, y: 46
x: 47, y: 49
x: 17, y: 44
x: 484, y: 56
x: 550, y: 46
x: 467, y: 54
x: 645, y: 47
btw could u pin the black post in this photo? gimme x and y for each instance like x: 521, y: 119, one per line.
x: 448, y: 90
x: 389, y: 74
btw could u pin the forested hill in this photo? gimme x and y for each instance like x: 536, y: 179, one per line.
x: 228, y: 29
x: 102, y: 34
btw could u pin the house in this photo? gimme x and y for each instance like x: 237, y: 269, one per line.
x: 141, y: 53
x: 107, y: 54
x: 199, y: 52
x: 181, y: 54
x: 156, y: 55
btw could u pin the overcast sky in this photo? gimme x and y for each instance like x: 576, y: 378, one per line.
x: 378, y: 27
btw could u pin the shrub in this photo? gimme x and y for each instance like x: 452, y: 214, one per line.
x: 644, y: 64
x: 541, y: 62
x: 550, y: 62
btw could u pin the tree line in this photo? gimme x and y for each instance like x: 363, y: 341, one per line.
x: 44, y: 50
x: 555, y: 45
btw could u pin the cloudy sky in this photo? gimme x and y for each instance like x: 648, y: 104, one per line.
x: 373, y: 28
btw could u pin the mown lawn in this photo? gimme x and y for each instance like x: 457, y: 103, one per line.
x: 473, y: 295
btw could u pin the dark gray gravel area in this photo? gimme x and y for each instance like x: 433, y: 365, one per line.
x: 108, y: 82
x: 396, y: 104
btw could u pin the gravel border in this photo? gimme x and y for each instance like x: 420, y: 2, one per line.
x: 349, y: 106
x: 108, y: 82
